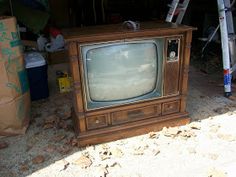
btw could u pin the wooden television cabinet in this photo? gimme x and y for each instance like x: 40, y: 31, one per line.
x: 114, y: 122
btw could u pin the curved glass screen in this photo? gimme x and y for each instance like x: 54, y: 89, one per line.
x: 121, y: 71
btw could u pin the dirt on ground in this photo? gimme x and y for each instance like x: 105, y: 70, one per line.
x: 204, y: 148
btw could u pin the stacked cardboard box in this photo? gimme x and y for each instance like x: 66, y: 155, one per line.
x: 57, y: 57
x: 14, y: 88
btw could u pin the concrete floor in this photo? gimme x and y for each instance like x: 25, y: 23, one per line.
x: 207, y: 148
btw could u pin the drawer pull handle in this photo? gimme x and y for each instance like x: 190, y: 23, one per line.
x: 97, y: 121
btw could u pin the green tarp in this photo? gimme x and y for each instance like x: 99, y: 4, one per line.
x: 34, y: 20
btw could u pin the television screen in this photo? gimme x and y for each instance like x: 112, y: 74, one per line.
x: 120, y: 71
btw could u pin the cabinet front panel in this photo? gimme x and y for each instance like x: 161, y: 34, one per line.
x: 170, y: 107
x: 94, y: 122
x: 135, y: 114
x: 172, y: 66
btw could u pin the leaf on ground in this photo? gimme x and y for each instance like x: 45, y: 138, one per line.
x: 3, y: 145
x: 63, y: 124
x: 187, y: 134
x: 48, y: 126
x: 152, y: 135
x: 64, y: 150
x: 226, y: 137
x: 83, y: 162
x: 105, y: 154
x: 117, y: 152
x: 38, y: 159
x: 66, y: 164
x: 195, y: 125
x: 24, y: 168
x: 58, y: 138
x: 221, y: 110
x: 28, y: 147
x: 73, y: 141
x: 51, y: 119
x: 64, y: 112
x: 155, y: 152
x: 171, y: 132
x: 138, y: 151
x: 50, y: 149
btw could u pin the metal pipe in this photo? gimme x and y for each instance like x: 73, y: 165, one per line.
x: 225, y: 47
x: 171, y: 11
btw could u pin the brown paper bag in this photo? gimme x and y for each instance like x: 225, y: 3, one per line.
x: 13, y: 79
x: 15, y: 115
x: 14, y: 87
x: 10, y: 43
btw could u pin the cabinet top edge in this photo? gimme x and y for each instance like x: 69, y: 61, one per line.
x: 74, y: 34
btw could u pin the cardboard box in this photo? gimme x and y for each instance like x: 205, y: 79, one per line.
x: 57, y: 57
x: 15, y: 115
x: 10, y: 43
x: 29, y: 43
x: 13, y: 79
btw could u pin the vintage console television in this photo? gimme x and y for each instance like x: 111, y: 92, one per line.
x: 128, y: 82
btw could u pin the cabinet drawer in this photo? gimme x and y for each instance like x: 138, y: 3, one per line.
x: 135, y: 114
x: 171, y: 107
x: 94, y: 122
